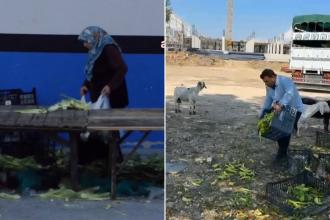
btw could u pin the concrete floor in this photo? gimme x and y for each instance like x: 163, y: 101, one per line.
x: 32, y: 208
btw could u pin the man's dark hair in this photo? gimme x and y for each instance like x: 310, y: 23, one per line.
x: 267, y: 72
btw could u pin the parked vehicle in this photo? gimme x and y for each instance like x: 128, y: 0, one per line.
x: 310, y: 52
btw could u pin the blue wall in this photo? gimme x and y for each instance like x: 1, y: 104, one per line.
x: 53, y: 74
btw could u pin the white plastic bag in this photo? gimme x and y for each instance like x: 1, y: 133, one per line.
x: 101, y: 103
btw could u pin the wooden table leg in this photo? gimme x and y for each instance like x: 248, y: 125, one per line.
x: 74, y: 160
x: 113, y: 159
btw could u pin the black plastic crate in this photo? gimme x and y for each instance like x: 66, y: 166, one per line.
x: 28, y: 98
x: 277, y: 193
x: 10, y: 137
x: 323, y: 166
x: 322, y: 139
x: 18, y: 97
x: 298, y: 160
x: 15, y: 97
x: 10, y: 96
x: 31, y: 143
x: 282, y: 124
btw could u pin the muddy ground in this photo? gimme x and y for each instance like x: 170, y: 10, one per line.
x: 222, y: 131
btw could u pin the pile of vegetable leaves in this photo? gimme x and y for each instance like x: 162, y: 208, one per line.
x: 264, y: 123
x: 11, y: 163
x: 66, y: 103
x: 304, y: 196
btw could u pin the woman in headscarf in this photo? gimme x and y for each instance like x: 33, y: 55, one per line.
x: 105, y: 70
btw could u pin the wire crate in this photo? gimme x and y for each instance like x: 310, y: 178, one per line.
x: 277, y: 193
x: 323, y: 166
x: 322, y: 139
x: 298, y: 160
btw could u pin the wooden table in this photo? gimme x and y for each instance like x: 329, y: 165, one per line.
x: 75, y: 121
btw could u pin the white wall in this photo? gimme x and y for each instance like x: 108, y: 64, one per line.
x: 277, y: 57
x: 249, y: 46
x: 195, y: 42
x: 175, y: 23
x: 117, y: 17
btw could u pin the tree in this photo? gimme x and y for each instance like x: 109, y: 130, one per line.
x: 168, y: 10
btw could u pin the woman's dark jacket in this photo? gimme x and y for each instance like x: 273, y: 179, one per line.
x: 109, y: 69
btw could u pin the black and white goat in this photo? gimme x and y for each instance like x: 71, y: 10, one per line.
x: 183, y: 94
x: 314, y: 109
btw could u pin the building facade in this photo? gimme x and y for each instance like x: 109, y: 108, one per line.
x: 180, y: 35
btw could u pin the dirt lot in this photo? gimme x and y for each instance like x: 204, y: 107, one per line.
x: 223, y: 131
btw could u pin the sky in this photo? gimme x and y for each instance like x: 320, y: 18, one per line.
x: 267, y: 18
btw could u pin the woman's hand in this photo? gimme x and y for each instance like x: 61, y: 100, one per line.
x: 83, y: 90
x: 106, y: 90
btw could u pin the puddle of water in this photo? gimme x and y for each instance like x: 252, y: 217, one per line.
x: 174, y: 168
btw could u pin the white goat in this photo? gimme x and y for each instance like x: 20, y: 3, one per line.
x: 183, y: 94
x: 309, y: 111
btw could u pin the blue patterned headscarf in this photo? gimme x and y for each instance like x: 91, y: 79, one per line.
x: 88, y: 35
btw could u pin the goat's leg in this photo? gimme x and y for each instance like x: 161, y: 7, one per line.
x: 326, y: 122
x: 298, y: 130
x: 191, y: 103
x: 194, y: 108
x: 179, y: 103
x: 190, y: 107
